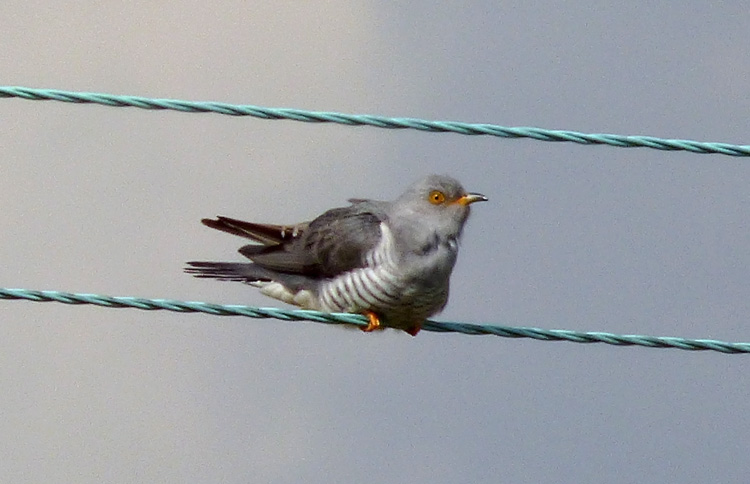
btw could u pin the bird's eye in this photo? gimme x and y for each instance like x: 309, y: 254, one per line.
x: 437, y: 197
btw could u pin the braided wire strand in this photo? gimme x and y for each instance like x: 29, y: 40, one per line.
x: 472, y: 129
x: 358, y: 320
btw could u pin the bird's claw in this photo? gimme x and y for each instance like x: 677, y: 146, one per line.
x: 373, y: 322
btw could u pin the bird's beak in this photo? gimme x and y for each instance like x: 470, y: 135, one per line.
x: 470, y: 198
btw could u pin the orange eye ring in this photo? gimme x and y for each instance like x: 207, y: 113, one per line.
x: 436, y: 197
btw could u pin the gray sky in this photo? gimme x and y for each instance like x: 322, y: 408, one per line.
x: 106, y: 200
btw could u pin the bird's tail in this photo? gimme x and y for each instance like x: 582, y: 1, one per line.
x: 229, y: 271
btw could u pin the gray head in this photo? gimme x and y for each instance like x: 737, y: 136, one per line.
x: 439, y: 202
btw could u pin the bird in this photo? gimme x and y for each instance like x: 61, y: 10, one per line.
x: 390, y: 261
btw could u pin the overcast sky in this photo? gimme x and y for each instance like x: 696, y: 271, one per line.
x: 103, y: 200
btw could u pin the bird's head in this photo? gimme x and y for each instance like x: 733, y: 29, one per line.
x: 439, y: 202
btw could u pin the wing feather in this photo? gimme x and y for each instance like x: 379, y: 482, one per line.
x: 335, y: 242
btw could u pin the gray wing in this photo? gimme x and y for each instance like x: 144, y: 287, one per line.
x: 335, y: 242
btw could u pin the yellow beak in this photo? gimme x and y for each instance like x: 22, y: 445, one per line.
x: 470, y: 198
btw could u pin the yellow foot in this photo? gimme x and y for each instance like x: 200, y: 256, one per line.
x: 373, y: 322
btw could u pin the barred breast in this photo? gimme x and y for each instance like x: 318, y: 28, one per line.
x: 382, y: 288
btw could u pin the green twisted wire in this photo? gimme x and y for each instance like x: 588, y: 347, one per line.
x: 475, y: 129
x: 355, y: 319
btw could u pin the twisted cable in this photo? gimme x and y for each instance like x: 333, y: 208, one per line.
x: 474, y: 129
x: 358, y: 320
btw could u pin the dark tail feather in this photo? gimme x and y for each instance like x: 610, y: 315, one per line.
x: 229, y: 271
x: 266, y: 234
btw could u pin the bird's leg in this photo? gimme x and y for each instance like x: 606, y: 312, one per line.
x: 414, y: 329
x: 373, y: 322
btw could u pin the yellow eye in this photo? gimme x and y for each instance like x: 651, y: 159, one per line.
x: 436, y: 197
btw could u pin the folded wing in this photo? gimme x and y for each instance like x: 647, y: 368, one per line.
x: 335, y: 242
